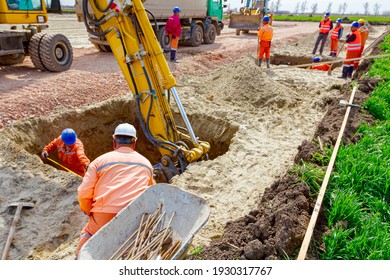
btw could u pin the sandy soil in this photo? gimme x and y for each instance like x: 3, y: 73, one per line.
x: 261, y: 116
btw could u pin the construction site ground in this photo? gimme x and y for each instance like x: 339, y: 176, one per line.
x: 255, y: 120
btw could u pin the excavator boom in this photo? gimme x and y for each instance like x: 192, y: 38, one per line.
x: 129, y: 33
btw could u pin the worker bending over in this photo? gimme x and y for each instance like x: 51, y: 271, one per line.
x: 173, y: 30
x: 335, y: 36
x: 112, y: 181
x: 363, y: 29
x: 265, y: 35
x: 70, y: 151
x: 326, y: 25
x: 353, y: 51
x: 321, y: 67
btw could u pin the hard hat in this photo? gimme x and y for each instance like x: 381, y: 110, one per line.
x: 125, y: 129
x: 176, y: 10
x: 355, y: 24
x: 327, y: 14
x: 316, y: 59
x: 266, y: 18
x: 68, y: 136
x: 339, y: 20
x: 361, y: 21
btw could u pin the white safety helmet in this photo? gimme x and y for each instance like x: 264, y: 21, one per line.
x: 125, y: 129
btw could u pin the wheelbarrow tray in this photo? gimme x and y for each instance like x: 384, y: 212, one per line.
x: 191, y: 213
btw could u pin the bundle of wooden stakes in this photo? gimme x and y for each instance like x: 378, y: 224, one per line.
x: 150, y: 241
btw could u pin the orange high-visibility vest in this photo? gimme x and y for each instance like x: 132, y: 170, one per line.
x: 266, y: 33
x: 335, y: 32
x: 325, y: 26
x: 355, y: 46
x: 364, y: 34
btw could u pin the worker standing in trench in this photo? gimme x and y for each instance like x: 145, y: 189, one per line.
x: 112, y: 181
x: 320, y: 67
x: 173, y: 30
x: 70, y: 151
x: 265, y: 35
x: 353, y: 51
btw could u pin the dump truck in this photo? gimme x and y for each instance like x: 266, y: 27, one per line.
x: 201, y: 21
x: 249, y: 16
x: 48, y: 52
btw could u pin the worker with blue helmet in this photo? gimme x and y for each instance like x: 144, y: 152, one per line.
x: 354, y: 44
x: 264, y: 35
x: 326, y: 25
x: 335, y: 37
x: 70, y: 151
x: 316, y: 59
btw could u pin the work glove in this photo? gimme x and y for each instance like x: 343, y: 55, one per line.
x: 173, y: 37
x: 45, y: 154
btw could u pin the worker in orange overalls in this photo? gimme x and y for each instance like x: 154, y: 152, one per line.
x: 335, y: 36
x: 363, y: 29
x: 326, y: 25
x: 112, y: 181
x: 173, y: 30
x: 321, y: 67
x: 70, y: 151
x: 265, y: 35
x: 353, y: 51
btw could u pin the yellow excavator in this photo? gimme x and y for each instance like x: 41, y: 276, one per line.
x: 48, y: 52
x: 127, y: 29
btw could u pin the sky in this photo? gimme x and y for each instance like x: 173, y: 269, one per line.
x: 353, y: 5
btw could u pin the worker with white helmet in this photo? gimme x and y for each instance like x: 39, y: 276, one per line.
x: 112, y: 181
x: 265, y: 35
x: 353, y: 42
x: 363, y: 29
x: 70, y: 151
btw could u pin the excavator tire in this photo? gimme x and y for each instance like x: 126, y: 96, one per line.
x: 210, y: 34
x: 33, y: 50
x: 102, y: 48
x: 56, y: 52
x: 11, y: 59
x: 163, y: 39
x: 196, y: 36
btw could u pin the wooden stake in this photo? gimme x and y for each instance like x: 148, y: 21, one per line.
x: 321, y: 194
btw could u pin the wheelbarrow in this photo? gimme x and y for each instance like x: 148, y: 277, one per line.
x: 189, y: 210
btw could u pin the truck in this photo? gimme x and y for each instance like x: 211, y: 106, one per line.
x: 48, y: 52
x: 201, y: 21
x: 249, y: 16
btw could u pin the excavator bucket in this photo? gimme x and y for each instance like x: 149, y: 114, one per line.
x: 245, y: 22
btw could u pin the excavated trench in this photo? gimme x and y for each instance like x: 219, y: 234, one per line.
x: 95, y: 124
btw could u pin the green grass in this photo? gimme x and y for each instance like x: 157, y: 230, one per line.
x: 317, y: 18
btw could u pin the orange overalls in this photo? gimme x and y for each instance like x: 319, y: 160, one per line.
x: 321, y: 67
x: 71, y: 156
x: 364, y: 35
x: 265, y: 35
x: 335, y: 37
x: 112, y: 181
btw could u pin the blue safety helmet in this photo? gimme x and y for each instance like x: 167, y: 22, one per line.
x: 355, y: 24
x: 327, y: 14
x: 339, y: 20
x: 266, y: 18
x: 176, y: 10
x: 68, y: 136
x: 316, y: 59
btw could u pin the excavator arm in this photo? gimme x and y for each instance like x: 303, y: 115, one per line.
x: 127, y: 29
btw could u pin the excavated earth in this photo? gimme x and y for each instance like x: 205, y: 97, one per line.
x: 259, y: 122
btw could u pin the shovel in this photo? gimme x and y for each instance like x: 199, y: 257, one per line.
x: 19, y: 206
x: 330, y: 69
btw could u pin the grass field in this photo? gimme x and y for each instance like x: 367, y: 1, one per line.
x: 373, y: 19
